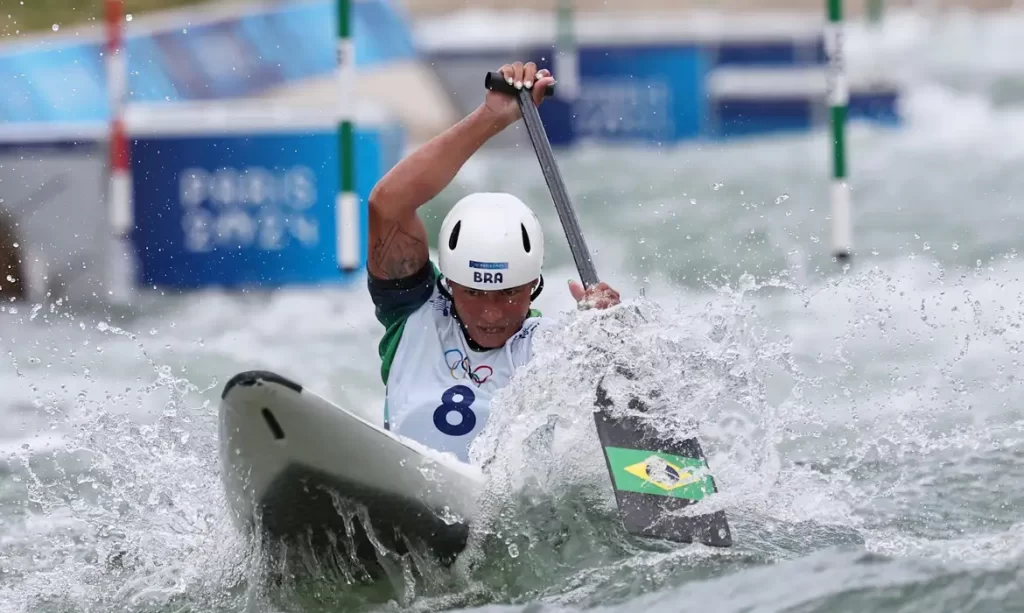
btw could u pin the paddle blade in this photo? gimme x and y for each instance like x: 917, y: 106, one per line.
x: 655, y: 476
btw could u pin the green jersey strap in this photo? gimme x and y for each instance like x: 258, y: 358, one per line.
x: 394, y: 300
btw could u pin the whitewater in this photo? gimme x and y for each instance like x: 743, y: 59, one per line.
x: 863, y: 422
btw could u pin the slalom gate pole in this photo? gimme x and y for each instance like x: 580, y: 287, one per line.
x: 876, y: 9
x: 567, y: 63
x: 346, y: 201
x: 838, y: 95
x: 120, y: 260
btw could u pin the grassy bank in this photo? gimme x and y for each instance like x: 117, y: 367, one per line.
x: 31, y: 16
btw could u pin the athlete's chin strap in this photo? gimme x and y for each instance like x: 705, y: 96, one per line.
x: 442, y: 287
x: 537, y: 290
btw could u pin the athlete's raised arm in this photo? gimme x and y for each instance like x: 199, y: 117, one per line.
x: 397, y: 237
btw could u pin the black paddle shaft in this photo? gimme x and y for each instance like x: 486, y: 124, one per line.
x: 495, y: 81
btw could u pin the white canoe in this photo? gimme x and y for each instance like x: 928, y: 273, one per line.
x: 296, y: 466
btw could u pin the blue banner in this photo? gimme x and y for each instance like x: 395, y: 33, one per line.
x: 239, y: 56
x: 742, y: 116
x: 660, y: 93
x: 247, y: 209
x: 640, y: 93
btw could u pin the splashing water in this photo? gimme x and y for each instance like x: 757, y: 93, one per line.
x: 714, y: 376
x: 125, y: 507
x: 863, y: 425
x: 793, y: 479
x: 114, y: 511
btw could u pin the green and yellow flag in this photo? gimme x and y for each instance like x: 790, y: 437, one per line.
x: 661, y: 474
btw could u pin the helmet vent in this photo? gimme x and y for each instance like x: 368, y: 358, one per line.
x: 526, y: 239
x: 453, y: 238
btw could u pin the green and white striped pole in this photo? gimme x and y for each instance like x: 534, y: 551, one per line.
x: 567, y: 64
x: 875, y: 10
x: 838, y: 94
x: 347, y: 202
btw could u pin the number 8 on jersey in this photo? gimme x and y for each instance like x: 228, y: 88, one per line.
x: 461, y: 406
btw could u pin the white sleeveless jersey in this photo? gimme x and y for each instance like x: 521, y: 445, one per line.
x: 439, y: 390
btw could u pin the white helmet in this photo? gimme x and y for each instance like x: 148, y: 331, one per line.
x: 491, y: 241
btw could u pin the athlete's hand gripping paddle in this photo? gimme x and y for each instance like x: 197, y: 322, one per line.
x: 653, y: 474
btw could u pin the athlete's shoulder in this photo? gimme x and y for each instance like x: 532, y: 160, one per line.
x: 396, y: 299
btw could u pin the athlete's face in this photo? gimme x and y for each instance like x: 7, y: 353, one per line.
x: 492, y: 317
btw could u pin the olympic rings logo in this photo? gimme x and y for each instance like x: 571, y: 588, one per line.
x: 459, y: 363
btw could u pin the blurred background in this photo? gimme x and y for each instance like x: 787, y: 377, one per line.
x: 198, y: 141
x: 183, y: 145
x: 173, y: 210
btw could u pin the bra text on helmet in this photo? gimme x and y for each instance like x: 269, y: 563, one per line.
x: 487, y: 277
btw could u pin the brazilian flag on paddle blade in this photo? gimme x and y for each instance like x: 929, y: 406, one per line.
x: 655, y: 476
x: 660, y: 474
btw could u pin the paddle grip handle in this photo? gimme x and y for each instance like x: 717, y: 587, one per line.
x: 495, y: 81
